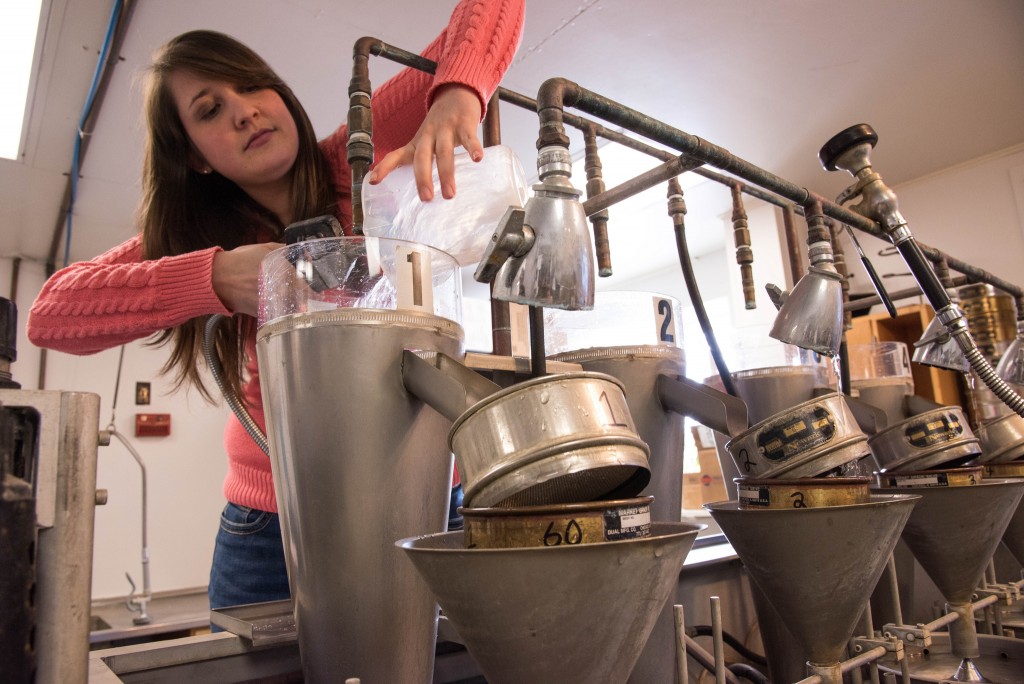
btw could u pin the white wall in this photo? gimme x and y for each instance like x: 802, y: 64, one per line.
x: 185, y: 471
x: 718, y: 277
x: 973, y: 211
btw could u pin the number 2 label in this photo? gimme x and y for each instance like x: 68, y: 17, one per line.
x: 665, y: 329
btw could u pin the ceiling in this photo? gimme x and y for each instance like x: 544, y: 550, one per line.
x: 939, y: 80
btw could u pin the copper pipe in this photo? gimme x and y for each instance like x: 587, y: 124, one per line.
x: 646, y: 180
x: 557, y: 93
x: 780, y: 192
x: 744, y: 254
x: 15, y: 277
x: 839, y: 255
x: 582, y: 123
x: 595, y: 186
x: 360, y: 126
x: 501, y: 318
x: 796, y: 269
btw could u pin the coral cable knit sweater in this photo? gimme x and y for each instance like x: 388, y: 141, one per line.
x: 118, y: 297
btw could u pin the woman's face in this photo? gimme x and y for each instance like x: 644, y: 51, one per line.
x: 245, y: 134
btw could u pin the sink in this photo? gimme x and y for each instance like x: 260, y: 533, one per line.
x: 97, y: 624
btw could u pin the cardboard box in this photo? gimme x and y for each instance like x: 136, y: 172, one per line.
x: 707, y: 486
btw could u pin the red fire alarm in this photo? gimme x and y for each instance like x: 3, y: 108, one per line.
x: 152, y: 424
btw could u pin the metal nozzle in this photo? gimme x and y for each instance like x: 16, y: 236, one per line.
x: 1011, y: 364
x: 543, y: 256
x: 811, y: 317
x: 938, y: 348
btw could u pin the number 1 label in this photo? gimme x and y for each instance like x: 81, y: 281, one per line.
x: 415, y: 279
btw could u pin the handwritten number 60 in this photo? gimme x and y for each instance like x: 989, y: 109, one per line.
x: 573, y: 534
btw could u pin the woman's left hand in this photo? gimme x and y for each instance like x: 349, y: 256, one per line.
x: 452, y: 120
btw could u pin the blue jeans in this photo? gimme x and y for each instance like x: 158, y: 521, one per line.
x: 248, y: 559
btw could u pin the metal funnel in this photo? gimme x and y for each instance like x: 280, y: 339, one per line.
x: 1013, y: 538
x: 954, y: 531
x: 517, y: 609
x: 816, y: 566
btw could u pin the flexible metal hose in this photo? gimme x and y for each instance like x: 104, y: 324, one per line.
x: 984, y: 369
x: 217, y: 370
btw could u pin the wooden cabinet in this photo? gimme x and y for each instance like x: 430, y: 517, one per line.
x: 939, y: 385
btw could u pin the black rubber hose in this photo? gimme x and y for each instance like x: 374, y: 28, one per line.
x: 748, y: 672
x: 736, y: 644
x: 701, y: 312
x: 677, y: 210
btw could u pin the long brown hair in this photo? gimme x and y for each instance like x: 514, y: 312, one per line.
x: 183, y: 210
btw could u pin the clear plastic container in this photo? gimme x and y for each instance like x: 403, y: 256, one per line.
x: 462, y: 225
x: 753, y: 354
x: 359, y: 272
x: 880, y: 363
x: 618, y: 319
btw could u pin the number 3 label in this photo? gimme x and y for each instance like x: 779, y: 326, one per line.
x: 664, y: 321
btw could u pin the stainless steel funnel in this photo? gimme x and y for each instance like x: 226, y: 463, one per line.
x: 632, y: 337
x: 358, y: 463
x: 358, y: 460
x: 1013, y: 538
x: 954, y: 531
x: 659, y: 397
x: 560, y: 614
x: 816, y: 566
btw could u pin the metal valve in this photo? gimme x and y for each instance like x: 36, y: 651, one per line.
x: 511, y: 239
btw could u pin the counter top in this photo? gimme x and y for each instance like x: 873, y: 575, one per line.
x: 188, y: 610
x: 177, y: 611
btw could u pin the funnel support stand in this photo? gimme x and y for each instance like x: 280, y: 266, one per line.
x: 894, y: 588
x: 716, y: 630
x: 679, y: 614
x: 707, y: 660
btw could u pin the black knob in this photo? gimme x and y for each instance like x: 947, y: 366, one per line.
x: 843, y: 141
x: 312, y: 229
x: 8, y: 330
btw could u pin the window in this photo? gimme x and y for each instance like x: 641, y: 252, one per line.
x: 19, y: 22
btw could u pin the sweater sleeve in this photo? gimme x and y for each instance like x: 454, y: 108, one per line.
x: 118, y: 297
x: 474, y: 50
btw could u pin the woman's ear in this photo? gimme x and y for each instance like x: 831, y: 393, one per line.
x: 198, y: 164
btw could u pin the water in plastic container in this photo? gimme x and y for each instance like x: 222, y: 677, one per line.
x: 358, y: 273
x: 460, y: 226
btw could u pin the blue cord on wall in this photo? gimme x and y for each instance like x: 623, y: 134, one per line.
x: 115, y: 13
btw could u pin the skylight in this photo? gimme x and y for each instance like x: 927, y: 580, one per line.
x: 18, y: 24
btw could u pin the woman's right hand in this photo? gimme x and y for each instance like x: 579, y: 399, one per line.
x: 236, y: 276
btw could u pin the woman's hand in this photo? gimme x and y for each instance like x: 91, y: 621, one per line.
x: 236, y: 276
x: 452, y: 120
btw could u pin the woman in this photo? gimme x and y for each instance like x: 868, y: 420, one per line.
x: 231, y: 159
